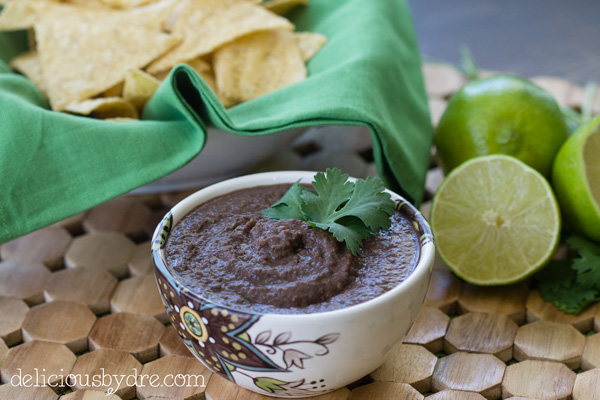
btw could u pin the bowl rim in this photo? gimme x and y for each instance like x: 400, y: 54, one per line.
x: 183, y: 207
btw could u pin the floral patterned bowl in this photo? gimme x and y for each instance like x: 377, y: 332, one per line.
x: 295, y: 355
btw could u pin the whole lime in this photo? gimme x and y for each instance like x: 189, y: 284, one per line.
x: 503, y: 114
x: 576, y: 179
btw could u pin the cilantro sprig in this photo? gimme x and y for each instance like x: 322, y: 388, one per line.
x: 351, y: 211
x: 572, y: 284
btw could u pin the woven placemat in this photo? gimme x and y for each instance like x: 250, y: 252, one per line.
x: 80, y: 297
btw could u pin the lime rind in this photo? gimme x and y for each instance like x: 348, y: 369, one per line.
x: 591, y: 162
x: 495, y: 220
x: 576, y: 180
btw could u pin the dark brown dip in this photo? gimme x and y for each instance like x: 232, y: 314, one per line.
x: 228, y: 252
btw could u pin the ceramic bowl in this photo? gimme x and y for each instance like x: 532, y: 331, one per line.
x: 224, y: 155
x: 295, y: 355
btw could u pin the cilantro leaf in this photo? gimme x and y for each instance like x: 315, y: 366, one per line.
x: 588, y: 263
x: 571, y: 285
x: 350, y: 230
x: 588, y: 270
x: 332, y: 192
x: 289, y: 206
x: 558, y: 284
x: 351, y: 211
x: 370, y: 203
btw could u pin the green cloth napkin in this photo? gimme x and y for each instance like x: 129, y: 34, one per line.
x: 54, y: 165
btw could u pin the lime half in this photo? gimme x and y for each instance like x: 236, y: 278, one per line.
x: 495, y: 220
x: 576, y: 180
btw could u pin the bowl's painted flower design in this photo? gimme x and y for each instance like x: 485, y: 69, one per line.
x: 222, y: 339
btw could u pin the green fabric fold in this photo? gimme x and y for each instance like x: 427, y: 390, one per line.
x: 54, y: 165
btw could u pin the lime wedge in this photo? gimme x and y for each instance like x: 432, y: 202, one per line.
x: 576, y: 180
x: 495, y: 220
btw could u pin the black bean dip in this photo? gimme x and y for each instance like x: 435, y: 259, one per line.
x: 228, y: 252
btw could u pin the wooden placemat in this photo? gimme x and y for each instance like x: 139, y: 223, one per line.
x: 79, y: 297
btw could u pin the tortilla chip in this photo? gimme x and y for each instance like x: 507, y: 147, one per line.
x: 22, y: 14
x: 200, y: 65
x: 282, y: 7
x: 29, y: 65
x: 81, y: 61
x: 139, y: 87
x: 114, y: 91
x: 175, y: 14
x: 104, y: 107
x: 208, y: 24
x: 309, y: 43
x: 258, y: 64
x: 127, y: 3
x: 205, y: 70
x: 152, y: 16
x: 87, y: 3
x: 182, y: 5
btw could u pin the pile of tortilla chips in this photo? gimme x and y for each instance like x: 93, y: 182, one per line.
x: 106, y: 58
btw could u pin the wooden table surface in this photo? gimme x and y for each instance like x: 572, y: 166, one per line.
x: 80, y: 297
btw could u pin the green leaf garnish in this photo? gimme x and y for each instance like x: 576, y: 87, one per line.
x: 351, y: 211
x: 588, y: 265
x: 289, y: 206
x: 571, y: 285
